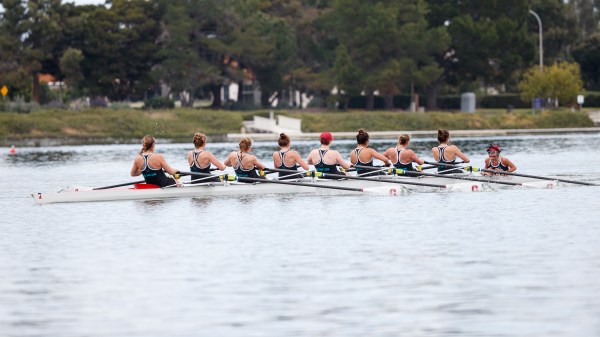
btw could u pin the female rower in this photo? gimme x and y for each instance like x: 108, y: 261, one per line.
x: 446, y: 154
x: 200, y: 160
x: 402, y: 157
x: 324, y: 159
x: 287, y: 159
x: 363, y: 155
x: 496, y: 162
x: 151, y: 166
x: 243, y: 162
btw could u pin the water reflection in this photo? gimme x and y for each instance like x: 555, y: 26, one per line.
x: 34, y: 158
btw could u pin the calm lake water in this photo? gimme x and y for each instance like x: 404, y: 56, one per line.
x: 501, y: 263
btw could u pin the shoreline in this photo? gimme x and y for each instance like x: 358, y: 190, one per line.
x: 234, y: 137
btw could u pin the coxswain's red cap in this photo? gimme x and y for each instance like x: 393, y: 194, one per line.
x: 494, y: 147
x: 327, y: 136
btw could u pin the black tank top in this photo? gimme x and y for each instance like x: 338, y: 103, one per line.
x: 325, y: 168
x: 284, y: 175
x: 155, y: 176
x: 496, y: 167
x: 245, y: 173
x: 441, y: 160
x: 364, y: 172
x: 401, y: 165
x: 195, y: 167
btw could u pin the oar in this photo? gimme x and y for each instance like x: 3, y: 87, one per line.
x: 341, y: 176
x: 477, y: 169
x: 434, y: 166
x: 119, y: 185
x: 382, y: 190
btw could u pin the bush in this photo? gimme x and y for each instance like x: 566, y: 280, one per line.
x: 159, y: 102
x: 592, y: 100
x: 503, y: 101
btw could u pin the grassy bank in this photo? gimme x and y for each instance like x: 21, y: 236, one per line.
x: 181, y: 123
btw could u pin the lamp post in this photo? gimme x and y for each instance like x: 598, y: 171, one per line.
x: 541, y: 39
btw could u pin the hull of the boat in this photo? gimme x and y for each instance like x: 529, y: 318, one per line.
x: 382, y: 185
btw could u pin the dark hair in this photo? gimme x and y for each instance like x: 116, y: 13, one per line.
x: 443, y: 135
x: 403, y: 139
x: 245, y: 144
x: 362, y: 137
x: 147, y: 143
x: 283, y: 140
x: 325, y: 141
x: 199, y: 140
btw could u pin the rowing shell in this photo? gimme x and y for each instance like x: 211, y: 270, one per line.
x: 380, y: 186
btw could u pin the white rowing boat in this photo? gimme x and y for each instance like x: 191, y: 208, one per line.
x: 382, y: 185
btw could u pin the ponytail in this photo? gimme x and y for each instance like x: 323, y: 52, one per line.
x: 147, y: 143
x: 199, y: 140
x: 283, y: 140
x: 362, y: 137
x: 245, y: 144
x: 443, y: 135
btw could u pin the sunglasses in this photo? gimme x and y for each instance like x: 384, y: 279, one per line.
x: 490, y: 152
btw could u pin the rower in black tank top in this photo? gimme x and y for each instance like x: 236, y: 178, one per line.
x: 242, y: 173
x: 155, y: 176
x: 326, y: 168
x: 441, y: 160
x: 364, y: 172
x: 398, y: 164
x: 195, y: 167
x: 287, y: 175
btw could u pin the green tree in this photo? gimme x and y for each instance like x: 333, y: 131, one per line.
x: 70, y: 67
x: 12, y: 29
x: 560, y: 82
x: 587, y: 54
x: 490, y: 42
x: 119, y: 47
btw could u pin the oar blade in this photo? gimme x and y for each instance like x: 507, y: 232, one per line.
x: 548, y: 184
x: 465, y: 187
x: 387, y: 190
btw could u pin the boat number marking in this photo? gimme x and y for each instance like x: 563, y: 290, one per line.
x: 393, y: 191
x: 474, y: 188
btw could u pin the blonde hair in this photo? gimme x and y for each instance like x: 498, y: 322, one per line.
x: 245, y: 144
x: 147, y: 143
x: 199, y: 140
x: 283, y: 140
x: 403, y: 139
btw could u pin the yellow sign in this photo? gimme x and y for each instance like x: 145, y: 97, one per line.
x: 4, y: 91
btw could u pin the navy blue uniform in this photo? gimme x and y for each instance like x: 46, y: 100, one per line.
x: 155, y: 176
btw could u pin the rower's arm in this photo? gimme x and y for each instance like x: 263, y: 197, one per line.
x: 436, y: 153
x: 340, y: 161
x: 381, y: 157
x: 416, y: 159
x: 462, y: 156
x: 227, y: 161
x: 300, y: 162
x: 511, y: 167
x: 257, y: 164
x: 309, y: 160
x: 216, y: 162
x: 135, y: 170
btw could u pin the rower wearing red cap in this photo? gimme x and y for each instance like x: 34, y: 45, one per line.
x: 497, y: 163
x: 324, y: 159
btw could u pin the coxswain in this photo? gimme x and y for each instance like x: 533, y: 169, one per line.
x: 363, y: 155
x: 287, y: 159
x: 200, y: 160
x: 153, y: 166
x: 445, y: 153
x: 496, y: 162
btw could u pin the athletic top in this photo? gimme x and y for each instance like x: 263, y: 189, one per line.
x: 441, y: 160
x: 242, y: 173
x: 283, y: 175
x: 364, y: 172
x: 155, y: 176
x: 404, y: 166
x: 325, y: 168
x: 195, y: 167
x: 499, y: 166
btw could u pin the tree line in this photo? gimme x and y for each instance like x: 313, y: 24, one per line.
x: 136, y: 49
